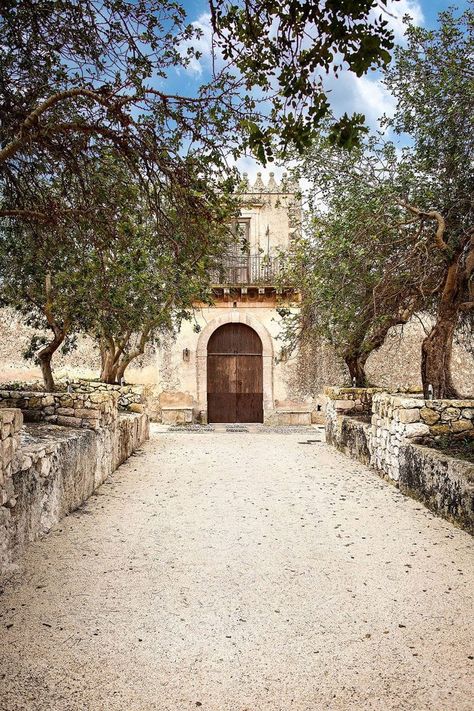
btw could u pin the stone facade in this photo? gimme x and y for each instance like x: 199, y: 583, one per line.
x: 51, y: 466
x: 387, y: 440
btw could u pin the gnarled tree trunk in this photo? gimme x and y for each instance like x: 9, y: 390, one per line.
x: 437, y: 347
x: 116, y: 356
x: 45, y: 356
x: 356, y: 364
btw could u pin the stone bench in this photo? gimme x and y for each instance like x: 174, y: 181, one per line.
x: 293, y: 416
x: 176, y: 414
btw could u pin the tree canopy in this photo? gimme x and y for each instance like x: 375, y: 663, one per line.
x: 287, y: 47
x: 118, y: 272
x: 391, y: 230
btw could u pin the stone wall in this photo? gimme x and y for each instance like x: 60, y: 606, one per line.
x: 444, y: 484
x: 388, y: 442
x: 11, y: 422
x: 53, y: 465
x: 346, y: 401
x: 397, y: 419
x: 91, y: 410
x: 131, y: 398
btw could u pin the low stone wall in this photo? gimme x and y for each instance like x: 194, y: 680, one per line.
x: 346, y: 401
x: 132, y: 398
x: 351, y: 436
x: 11, y: 422
x: 444, y: 484
x: 52, y: 465
x: 388, y: 442
x: 396, y: 420
x: 91, y: 410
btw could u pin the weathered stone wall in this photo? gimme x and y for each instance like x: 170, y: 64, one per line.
x: 92, y: 410
x: 397, y: 419
x: 53, y: 465
x: 444, y: 484
x: 387, y: 441
x: 346, y: 401
x: 11, y: 422
x: 133, y: 398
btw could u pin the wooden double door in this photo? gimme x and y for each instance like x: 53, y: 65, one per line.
x: 234, y: 375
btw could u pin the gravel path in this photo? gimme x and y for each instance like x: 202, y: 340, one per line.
x: 241, y: 572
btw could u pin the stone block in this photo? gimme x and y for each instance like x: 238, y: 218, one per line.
x: 7, y: 416
x: 66, y: 400
x: 461, y: 425
x: 65, y: 411
x: 43, y: 466
x: 88, y: 413
x: 408, y: 416
x: 68, y: 421
x: 429, y: 416
x: 450, y: 413
x: 440, y: 429
x: 91, y: 423
x: 468, y: 413
x: 343, y: 404
x: 416, y: 429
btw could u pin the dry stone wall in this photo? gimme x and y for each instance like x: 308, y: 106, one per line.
x: 11, y: 422
x: 53, y: 464
x: 388, y: 441
x: 91, y: 410
x: 346, y: 401
x: 132, y: 398
x: 398, y: 419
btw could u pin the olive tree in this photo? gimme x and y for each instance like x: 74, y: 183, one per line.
x: 438, y: 117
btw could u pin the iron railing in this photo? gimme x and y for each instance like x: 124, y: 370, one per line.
x: 253, y: 269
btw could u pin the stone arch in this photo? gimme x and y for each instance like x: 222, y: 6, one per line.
x: 267, y: 356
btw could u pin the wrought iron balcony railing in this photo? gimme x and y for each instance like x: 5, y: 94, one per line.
x: 255, y: 269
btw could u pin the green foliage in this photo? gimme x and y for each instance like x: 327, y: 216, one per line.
x: 390, y: 232
x: 285, y: 47
x: 361, y: 263
x: 118, y: 271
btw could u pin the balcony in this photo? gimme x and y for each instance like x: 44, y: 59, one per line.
x: 247, y: 270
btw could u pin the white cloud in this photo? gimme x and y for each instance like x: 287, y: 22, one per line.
x: 204, y: 45
x: 396, y: 11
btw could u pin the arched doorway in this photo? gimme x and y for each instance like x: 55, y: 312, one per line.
x: 234, y: 375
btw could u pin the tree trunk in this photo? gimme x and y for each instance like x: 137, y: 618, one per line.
x: 437, y: 347
x: 45, y: 356
x: 45, y: 364
x: 356, y: 365
x: 436, y: 352
x: 108, y: 368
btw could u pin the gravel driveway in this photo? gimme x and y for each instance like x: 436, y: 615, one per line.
x: 242, y: 572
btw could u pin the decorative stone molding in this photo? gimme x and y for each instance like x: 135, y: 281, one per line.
x: 235, y: 316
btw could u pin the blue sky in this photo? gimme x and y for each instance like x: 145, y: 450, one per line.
x: 348, y: 93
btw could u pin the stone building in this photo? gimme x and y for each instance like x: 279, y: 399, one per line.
x: 226, y: 365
